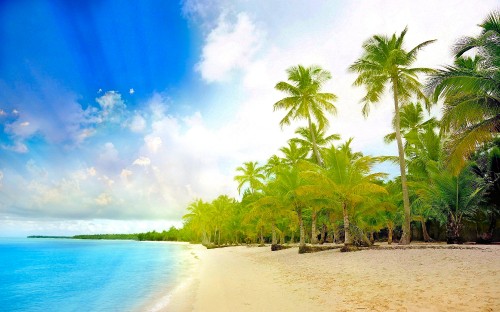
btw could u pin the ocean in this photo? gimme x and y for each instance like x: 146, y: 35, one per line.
x: 89, y: 275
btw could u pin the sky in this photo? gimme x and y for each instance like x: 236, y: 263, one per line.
x: 115, y: 115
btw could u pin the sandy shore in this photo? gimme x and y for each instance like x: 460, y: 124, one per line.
x: 256, y: 279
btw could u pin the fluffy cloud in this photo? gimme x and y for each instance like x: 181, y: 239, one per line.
x: 142, y: 161
x: 137, y: 124
x: 157, y: 161
x: 112, y: 106
x: 153, y: 143
x: 229, y: 46
x: 44, y: 108
x: 103, y: 199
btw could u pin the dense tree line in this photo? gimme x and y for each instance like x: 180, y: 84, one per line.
x: 317, y: 189
x: 107, y: 236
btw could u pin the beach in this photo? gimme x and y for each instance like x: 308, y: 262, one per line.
x: 256, y: 279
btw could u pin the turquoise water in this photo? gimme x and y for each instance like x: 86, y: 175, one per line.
x: 86, y: 275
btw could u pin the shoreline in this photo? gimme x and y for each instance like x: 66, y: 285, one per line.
x: 182, y: 283
x: 244, y: 278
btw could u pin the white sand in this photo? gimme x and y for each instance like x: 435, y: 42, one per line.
x: 256, y: 279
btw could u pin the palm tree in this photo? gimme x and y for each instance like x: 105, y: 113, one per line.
x: 424, y: 151
x: 223, y: 208
x: 455, y: 196
x: 385, y: 61
x: 471, y: 92
x: 197, y: 219
x: 305, y: 138
x: 304, y: 99
x: 272, y: 166
x: 251, y: 174
x: 293, y: 153
x: 346, y: 180
x: 268, y: 208
x: 288, y: 182
x: 411, y: 123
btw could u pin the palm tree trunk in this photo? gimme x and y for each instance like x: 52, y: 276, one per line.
x: 274, y: 240
x: 314, y: 217
x: 262, y: 236
x: 315, y: 146
x: 389, y: 235
x: 347, y: 232
x: 324, y: 230
x: 425, y: 234
x: 406, y: 236
x: 302, y: 241
x: 336, y: 235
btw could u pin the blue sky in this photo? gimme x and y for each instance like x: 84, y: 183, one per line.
x: 115, y: 114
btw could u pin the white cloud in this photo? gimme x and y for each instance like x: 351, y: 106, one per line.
x: 109, y: 153
x: 2, y: 112
x: 125, y: 174
x: 107, y: 181
x: 142, y: 161
x: 112, y: 106
x: 91, y: 171
x: 131, y: 91
x: 103, y: 199
x: 184, y: 157
x: 109, y: 100
x: 228, y: 47
x: 138, y: 123
x: 18, y: 147
x: 153, y: 143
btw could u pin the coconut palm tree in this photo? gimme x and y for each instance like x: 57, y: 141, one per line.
x: 412, y: 121
x: 272, y: 166
x: 305, y: 138
x: 346, y: 180
x: 268, y: 208
x: 305, y: 100
x: 455, y: 196
x: 471, y: 92
x: 251, y: 174
x: 198, y: 219
x: 288, y: 182
x: 487, y: 167
x: 293, y: 153
x: 223, y: 208
x: 386, y: 62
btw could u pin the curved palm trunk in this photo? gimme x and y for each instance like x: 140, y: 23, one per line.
x: 425, y: 234
x: 315, y: 146
x: 347, y: 232
x: 406, y: 236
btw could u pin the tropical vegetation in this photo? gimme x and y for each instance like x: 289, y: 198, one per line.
x: 317, y: 189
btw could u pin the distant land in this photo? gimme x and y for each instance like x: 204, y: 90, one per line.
x: 173, y: 234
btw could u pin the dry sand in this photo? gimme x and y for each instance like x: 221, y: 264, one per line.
x: 256, y: 279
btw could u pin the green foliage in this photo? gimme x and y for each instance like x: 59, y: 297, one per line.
x: 471, y: 92
x: 309, y: 183
x: 108, y: 236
